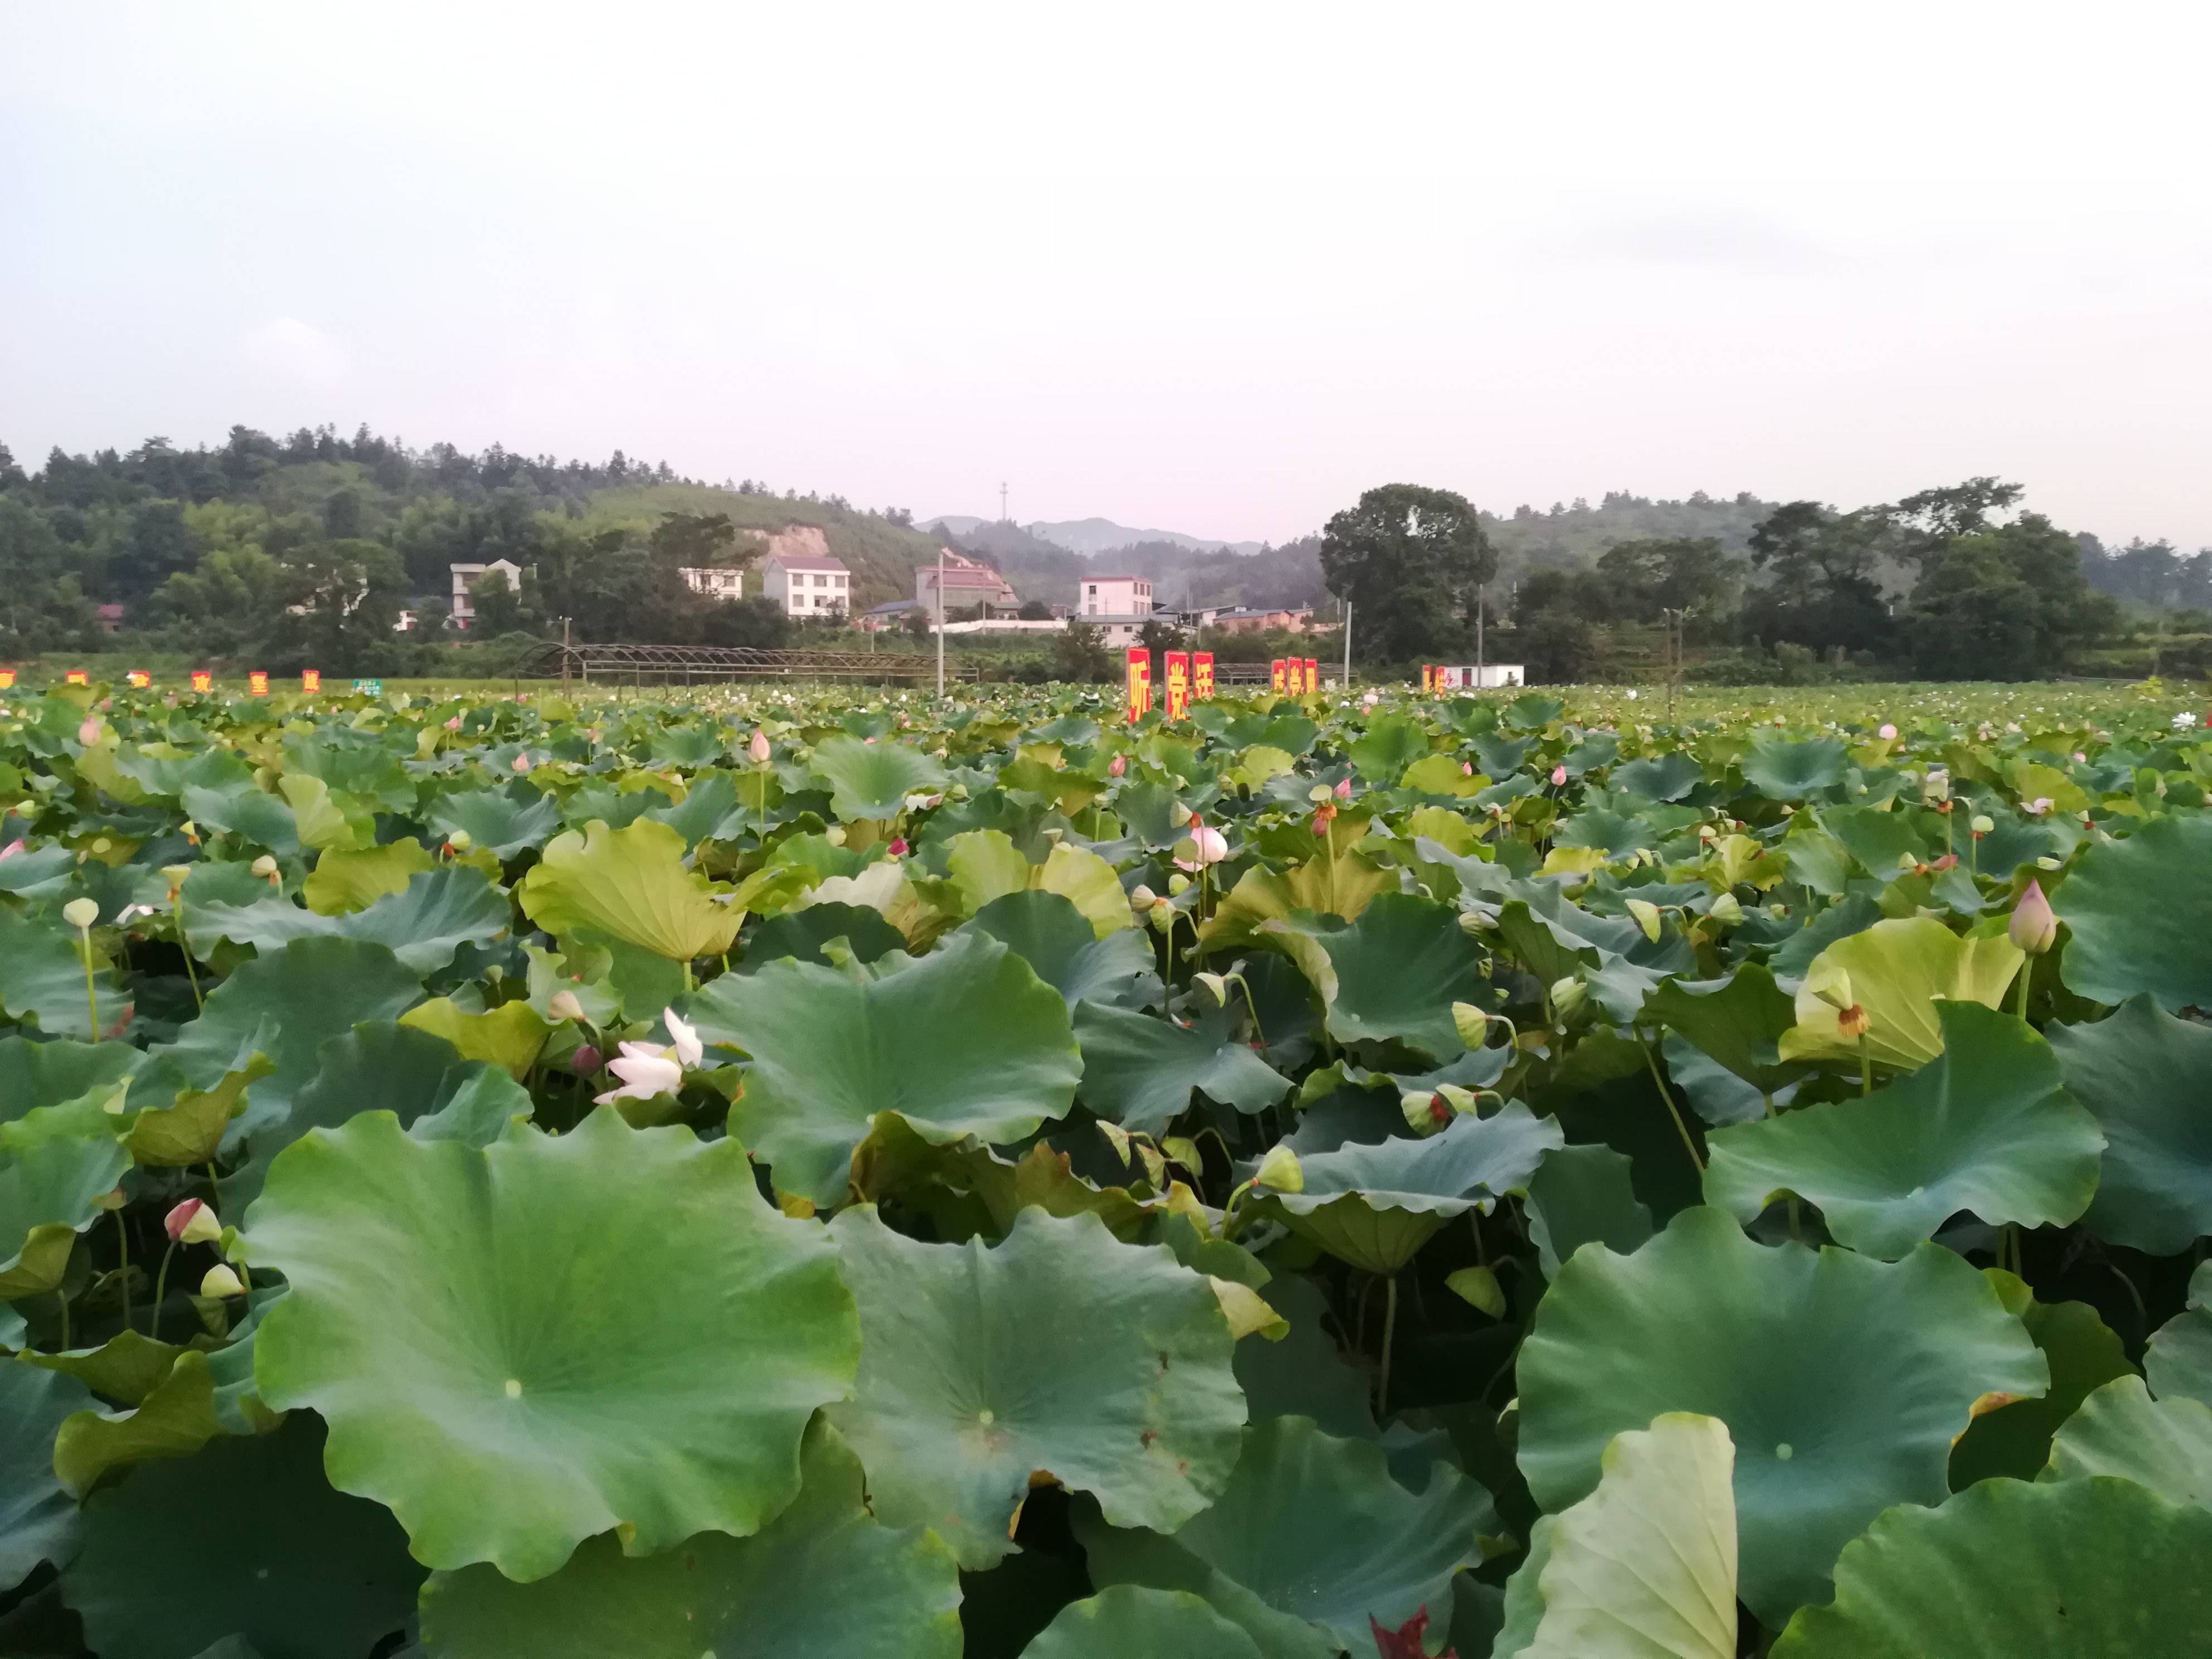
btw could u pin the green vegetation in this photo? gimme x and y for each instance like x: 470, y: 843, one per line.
x: 825, y: 1171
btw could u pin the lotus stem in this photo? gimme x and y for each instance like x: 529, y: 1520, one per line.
x: 1681, y: 1128
x: 161, y: 1289
x: 2026, y: 975
x: 91, y: 996
x: 1866, y: 1070
x: 61, y: 1297
x: 192, y: 970
x: 122, y: 1254
x: 1389, y: 1336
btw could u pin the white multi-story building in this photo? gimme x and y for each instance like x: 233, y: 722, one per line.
x: 466, y: 576
x: 1118, y: 606
x: 807, y: 584
x: 713, y: 581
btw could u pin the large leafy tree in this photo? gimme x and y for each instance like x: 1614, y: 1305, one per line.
x: 1411, y: 560
x: 1822, y: 587
x: 2008, y: 602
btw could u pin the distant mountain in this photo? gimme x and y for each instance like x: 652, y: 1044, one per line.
x: 1091, y: 536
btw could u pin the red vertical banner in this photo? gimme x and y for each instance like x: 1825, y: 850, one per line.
x: 203, y: 680
x: 1313, y: 675
x: 1428, y: 677
x: 1175, y: 667
x: 6, y: 680
x: 258, y: 683
x: 311, y: 679
x: 138, y: 679
x: 1201, y: 675
x: 1295, y: 669
x: 1140, y: 683
x: 1281, y: 674
x: 76, y: 676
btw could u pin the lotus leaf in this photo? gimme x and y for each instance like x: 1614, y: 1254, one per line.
x: 2138, y: 915
x: 870, y: 780
x: 507, y: 823
x: 1125, y: 1620
x: 1842, y: 1381
x: 2083, y: 1354
x: 1986, y: 1127
x: 1395, y: 972
x: 1896, y: 971
x: 1139, y: 1072
x: 1580, y: 1195
x: 506, y: 1413
x: 1049, y: 932
x: 2120, y: 1430
x: 2148, y: 1077
x: 49, y: 1193
x: 825, y: 1576
x: 38, y: 1516
x: 1794, y: 771
x: 2179, y: 1361
x: 631, y: 884
x: 2093, y: 1569
x: 1058, y: 1353
x: 42, y: 978
x: 247, y: 1539
x: 963, y: 1041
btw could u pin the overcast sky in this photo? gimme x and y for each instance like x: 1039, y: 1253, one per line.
x: 1213, y: 268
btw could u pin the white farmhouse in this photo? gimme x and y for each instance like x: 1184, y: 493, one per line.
x: 807, y: 584
x: 1118, y: 606
x: 466, y: 576
x: 713, y: 581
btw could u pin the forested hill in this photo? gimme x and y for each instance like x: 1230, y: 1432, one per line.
x: 1570, y: 538
x: 261, y: 540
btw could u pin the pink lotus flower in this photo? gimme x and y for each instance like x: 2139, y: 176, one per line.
x: 10, y: 849
x: 2033, y: 927
x: 454, y: 724
x: 191, y: 1223
x: 897, y: 847
x: 757, y: 749
x: 1887, y: 734
x: 1466, y: 768
x: 88, y: 733
x: 1209, y: 845
x: 521, y: 763
x: 1344, y: 788
x: 646, y: 1070
x: 1558, y: 776
x: 1118, y: 766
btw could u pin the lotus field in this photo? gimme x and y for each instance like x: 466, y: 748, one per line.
x: 832, y: 1173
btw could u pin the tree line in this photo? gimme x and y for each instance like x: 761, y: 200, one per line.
x: 1950, y: 583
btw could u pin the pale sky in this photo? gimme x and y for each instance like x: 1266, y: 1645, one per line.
x: 1215, y: 268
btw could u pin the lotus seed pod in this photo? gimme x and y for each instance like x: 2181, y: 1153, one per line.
x: 1216, y: 986
x: 1281, y: 1170
x: 1471, y: 1022
x: 1142, y: 897
x: 221, y: 1282
x: 1726, y: 910
x: 1853, y: 1023
x: 81, y: 913
x: 1647, y: 917
x: 1981, y: 824
x: 1568, y: 995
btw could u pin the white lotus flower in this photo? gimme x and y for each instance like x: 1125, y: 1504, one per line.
x: 685, y: 1037
x: 646, y: 1070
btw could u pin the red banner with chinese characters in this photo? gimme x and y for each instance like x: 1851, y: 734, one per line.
x: 1428, y: 677
x: 311, y: 679
x: 6, y: 680
x: 1140, y: 683
x: 1201, y: 675
x: 139, y: 679
x: 258, y: 683
x: 1296, y: 670
x: 1281, y: 672
x: 1313, y: 675
x: 1175, y: 667
x: 203, y: 680
x: 76, y: 676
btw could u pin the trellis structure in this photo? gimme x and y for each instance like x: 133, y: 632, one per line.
x: 668, y: 665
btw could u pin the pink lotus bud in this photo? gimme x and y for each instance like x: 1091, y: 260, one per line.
x: 1887, y: 734
x: 521, y: 763
x: 584, y: 1062
x: 562, y: 1004
x: 1344, y: 788
x: 454, y: 724
x: 1118, y: 767
x: 897, y: 847
x: 757, y: 749
x: 221, y: 1282
x: 191, y: 1223
x: 2033, y: 928
x: 88, y: 733
x: 1558, y: 776
x: 1466, y: 768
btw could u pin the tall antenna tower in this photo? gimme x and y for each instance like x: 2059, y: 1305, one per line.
x: 1002, y: 504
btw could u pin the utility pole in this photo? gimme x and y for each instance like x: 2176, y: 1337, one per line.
x: 1347, y: 644
x: 1481, y: 597
x: 564, y: 677
x: 940, y: 619
x: 1003, y: 519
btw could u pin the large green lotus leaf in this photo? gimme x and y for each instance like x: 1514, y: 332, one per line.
x: 873, y: 780
x: 1376, y: 1204
x: 2092, y: 1568
x: 177, y: 1127
x: 126, y: 1367
x: 501, y: 821
x: 1659, y: 777
x: 1125, y: 1621
x: 1986, y: 1127
x: 177, y: 1416
x: 1896, y: 971
x: 1739, y: 1023
x: 244, y: 1539
x: 1150, y: 813
x: 1325, y: 886
x: 1058, y: 1353
x: 2120, y: 1430
x: 378, y: 1067
x: 963, y: 1041
x: 1310, y: 1540
x: 968, y: 1189
x: 631, y: 884
x: 311, y: 990
x: 801, y: 935
x: 2083, y: 1355
x: 2148, y: 1077
x: 1580, y: 1195
x: 1390, y: 744
x: 1398, y: 969
x: 42, y: 978
x: 33, y: 1075
x: 49, y: 1193
x: 510, y: 1036
x: 520, y: 1345
x: 1842, y: 1380
x: 2139, y: 913
x: 1645, y: 1566
x: 983, y: 866
x: 1139, y: 1070
x: 1794, y: 771
x: 2179, y: 1361
x: 347, y: 879
x: 824, y: 1578
x: 37, y: 1517
x: 1049, y: 932
x: 439, y: 911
